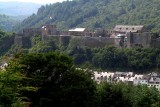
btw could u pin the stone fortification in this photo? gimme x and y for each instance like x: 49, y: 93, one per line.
x: 124, y: 36
x: 95, y: 41
x: 6, y: 43
x: 156, y: 43
x: 145, y: 40
x: 83, y: 41
x: 32, y: 31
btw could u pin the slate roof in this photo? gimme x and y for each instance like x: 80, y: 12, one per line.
x: 128, y: 28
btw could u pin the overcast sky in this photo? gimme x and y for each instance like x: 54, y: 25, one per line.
x: 37, y: 1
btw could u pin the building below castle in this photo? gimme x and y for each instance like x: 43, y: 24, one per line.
x: 151, y: 80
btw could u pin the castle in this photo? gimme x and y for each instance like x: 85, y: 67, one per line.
x: 122, y: 36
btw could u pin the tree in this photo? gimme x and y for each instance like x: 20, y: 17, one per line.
x: 11, y: 86
x: 58, y: 82
x: 113, y: 95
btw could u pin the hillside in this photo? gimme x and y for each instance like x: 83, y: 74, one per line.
x: 7, y: 22
x: 94, y: 14
x: 12, y: 13
x: 18, y: 8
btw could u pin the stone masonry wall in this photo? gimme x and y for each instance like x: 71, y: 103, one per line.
x: 83, y: 41
x: 143, y: 39
x: 156, y: 43
x: 89, y: 41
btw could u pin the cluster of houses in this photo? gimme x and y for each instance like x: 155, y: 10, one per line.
x: 151, y: 79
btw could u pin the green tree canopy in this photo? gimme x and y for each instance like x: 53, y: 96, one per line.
x: 58, y: 82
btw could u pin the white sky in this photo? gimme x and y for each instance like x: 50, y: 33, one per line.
x: 36, y: 1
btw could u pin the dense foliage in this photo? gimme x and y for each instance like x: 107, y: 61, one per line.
x: 57, y: 82
x: 11, y: 86
x: 136, y: 59
x: 51, y: 79
x: 95, y: 14
x: 116, y: 95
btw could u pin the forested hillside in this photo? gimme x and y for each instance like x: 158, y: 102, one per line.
x: 12, y: 13
x: 8, y: 22
x: 97, y: 13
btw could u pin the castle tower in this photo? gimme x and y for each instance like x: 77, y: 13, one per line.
x: 129, y: 39
x: 48, y: 30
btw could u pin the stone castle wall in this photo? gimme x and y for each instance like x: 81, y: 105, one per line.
x: 156, y: 43
x: 32, y: 31
x: 23, y: 41
x: 96, y: 41
x: 18, y: 41
x: 82, y: 41
x: 143, y: 39
x: 85, y: 39
x: 6, y: 43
